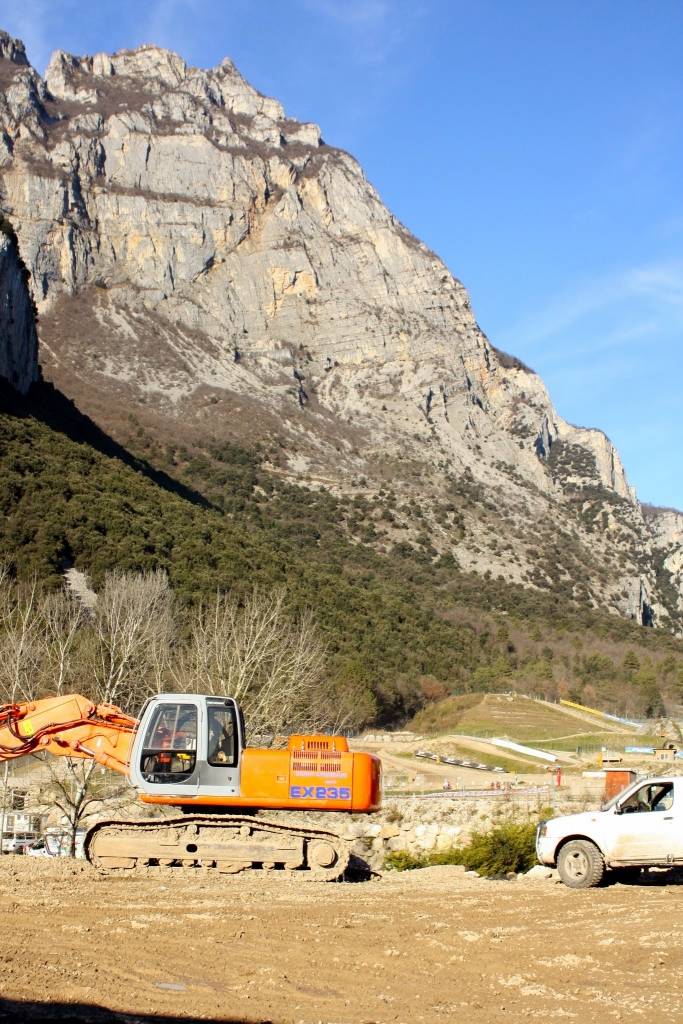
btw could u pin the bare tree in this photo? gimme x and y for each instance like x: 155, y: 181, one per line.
x: 132, y: 629
x: 22, y: 634
x: 255, y: 651
x: 63, y: 620
x: 123, y: 660
x: 79, y: 789
x: 66, y: 622
x: 114, y: 650
x: 21, y: 653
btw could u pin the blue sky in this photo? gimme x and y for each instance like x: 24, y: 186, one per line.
x: 537, y: 147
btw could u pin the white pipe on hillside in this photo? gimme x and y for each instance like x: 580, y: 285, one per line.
x: 531, y: 751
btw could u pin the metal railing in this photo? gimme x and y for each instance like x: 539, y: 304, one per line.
x: 477, y: 794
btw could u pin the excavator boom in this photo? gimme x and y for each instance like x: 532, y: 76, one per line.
x: 68, y: 726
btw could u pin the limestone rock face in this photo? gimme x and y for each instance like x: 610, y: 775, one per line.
x: 18, y: 339
x: 202, y: 260
x: 666, y: 527
x: 12, y: 50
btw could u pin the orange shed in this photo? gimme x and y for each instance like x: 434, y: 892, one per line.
x: 617, y: 779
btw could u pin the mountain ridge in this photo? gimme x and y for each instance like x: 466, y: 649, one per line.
x: 205, y: 264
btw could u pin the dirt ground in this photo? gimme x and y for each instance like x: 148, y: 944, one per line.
x: 431, y: 945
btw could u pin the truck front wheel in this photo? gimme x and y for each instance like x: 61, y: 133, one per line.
x: 580, y: 864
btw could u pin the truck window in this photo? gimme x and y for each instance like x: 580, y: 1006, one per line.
x: 657, y: 796
x: 663, y: 797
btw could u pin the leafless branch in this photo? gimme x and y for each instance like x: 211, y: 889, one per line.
x: 271, y: 663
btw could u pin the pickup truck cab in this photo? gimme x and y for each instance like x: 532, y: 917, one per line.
x: 640, y: 827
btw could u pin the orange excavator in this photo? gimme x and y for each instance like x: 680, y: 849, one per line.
x: 188, y: 751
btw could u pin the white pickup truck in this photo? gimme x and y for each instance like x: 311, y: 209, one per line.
x: 640, y: 827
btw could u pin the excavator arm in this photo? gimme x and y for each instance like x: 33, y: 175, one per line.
x: 68, y: 726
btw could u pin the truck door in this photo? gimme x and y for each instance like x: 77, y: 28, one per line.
x: 647, y: 826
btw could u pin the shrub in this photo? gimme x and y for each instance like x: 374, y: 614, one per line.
x: 401, y: 860
x: 393, y: 814
x: 509, y: 847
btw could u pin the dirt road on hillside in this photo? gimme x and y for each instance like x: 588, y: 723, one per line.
x: 429, y: 945
x: 470, y: 777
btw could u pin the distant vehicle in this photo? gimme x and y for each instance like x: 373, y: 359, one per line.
x: 17, y: 844
x: 55, y: 843
x: 37, y: 849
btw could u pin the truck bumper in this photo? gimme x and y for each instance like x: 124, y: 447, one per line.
x: 545, y: 849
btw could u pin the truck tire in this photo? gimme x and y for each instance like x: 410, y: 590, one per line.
x: 580, y: 864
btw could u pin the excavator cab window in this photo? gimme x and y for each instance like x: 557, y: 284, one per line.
x: 222, y: 747
x: 169, y: 751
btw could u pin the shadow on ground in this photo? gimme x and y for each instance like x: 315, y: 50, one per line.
x: 18, y: 1010
x: 645, y: 876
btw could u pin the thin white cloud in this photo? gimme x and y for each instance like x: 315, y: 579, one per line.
x: 662, y: 283
x: 357, y: 13
x: 620, y: 338
x: 373, y: 29
x: 659, y: 287
x: 168, y: 21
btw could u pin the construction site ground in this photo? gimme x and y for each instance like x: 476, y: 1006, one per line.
x: 430, y: 945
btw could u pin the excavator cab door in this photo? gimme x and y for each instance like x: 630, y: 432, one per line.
x: 165, y: 758
x: 223, y: 732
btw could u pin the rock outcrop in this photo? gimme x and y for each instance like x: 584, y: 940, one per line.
x: 18, y: 338
x: 666, y: 528
x: 202, y: 260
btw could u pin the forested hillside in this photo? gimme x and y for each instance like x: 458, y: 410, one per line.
x: 404, y: 627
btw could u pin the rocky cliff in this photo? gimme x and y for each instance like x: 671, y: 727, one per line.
x: 18, y: 338
x: 215, y: 269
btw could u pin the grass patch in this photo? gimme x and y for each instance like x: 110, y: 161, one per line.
x: 491, y: 714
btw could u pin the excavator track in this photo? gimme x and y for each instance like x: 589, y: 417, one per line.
x: 222, y: 843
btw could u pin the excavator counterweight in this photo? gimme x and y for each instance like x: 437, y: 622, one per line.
x: 188, y: 751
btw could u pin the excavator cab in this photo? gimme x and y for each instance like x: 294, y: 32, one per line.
x: 188, y: 744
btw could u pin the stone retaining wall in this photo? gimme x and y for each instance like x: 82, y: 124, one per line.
x: 422, y: 826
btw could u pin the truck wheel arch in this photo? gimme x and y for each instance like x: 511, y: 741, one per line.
x: 570, y: 839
